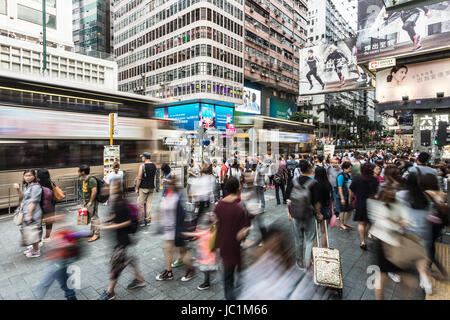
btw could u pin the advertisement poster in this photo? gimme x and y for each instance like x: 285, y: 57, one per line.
x: 224, y: 116
x: 331, y: 67
x: 403, y: 32
x: 328, y: 150
x: 252, y: 101
x: 207, y: 118
x: 111, y: 154
x: 416, y: 81
x: 446, y: 152
x: 187, y: 116
x: 282, y: 109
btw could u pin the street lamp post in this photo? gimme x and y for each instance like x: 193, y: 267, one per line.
x: 44, y: 36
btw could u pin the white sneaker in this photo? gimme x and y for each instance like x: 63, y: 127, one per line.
x: 29, y: 248
x: 34, y: 254
x: 426, y: 285
x: 45, y: 240
x: 394, y: 277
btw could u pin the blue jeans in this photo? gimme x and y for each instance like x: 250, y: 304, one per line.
x: 56, y: 271
x: 260, y: 195
x: 304, y: 235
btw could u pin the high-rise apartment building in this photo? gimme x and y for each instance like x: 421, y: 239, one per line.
x: 274, y: 33
x: 329, y: 21
x: 181, y: 49
x: 21, y: 42
x: 92, y: 26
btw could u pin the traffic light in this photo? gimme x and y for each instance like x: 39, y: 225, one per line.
x: 425, y: 138
x: 441, y: 136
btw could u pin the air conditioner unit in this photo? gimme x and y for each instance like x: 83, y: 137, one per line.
x: 251, y: 9
x: 252, y: 70
x: 267, y: 20
x: 284, y: 32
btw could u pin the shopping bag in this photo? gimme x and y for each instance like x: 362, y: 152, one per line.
x: 333, y: 221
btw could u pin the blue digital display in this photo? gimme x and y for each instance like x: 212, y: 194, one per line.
x: 222, y: 114
x: 187, y: 115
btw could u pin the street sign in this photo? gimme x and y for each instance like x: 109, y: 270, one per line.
x: 379, y: 64
x: 171, y: 141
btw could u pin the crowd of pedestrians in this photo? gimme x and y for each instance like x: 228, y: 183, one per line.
x: 395, y: 198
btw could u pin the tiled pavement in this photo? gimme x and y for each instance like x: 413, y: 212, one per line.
x: 20, y: 275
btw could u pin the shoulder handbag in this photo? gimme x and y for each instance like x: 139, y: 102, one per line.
x: 58, y: 194
x: 18, y: 216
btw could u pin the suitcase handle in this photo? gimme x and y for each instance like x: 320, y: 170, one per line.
x: 317, y: 233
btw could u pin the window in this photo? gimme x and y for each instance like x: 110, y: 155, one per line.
x: 35, y: 16
x: 3, y: 6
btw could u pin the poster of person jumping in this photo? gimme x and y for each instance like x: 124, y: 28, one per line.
x: 402, y: 32
x: 331, y: 67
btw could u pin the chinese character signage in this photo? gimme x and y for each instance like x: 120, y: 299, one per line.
x: 426, y: 121
x: 416, y: 81
x: 402, y: 32
x: 331, y: 67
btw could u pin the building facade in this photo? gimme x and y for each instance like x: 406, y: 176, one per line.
x: 329, y: 21
x: 181, y: 50
x: 21, y: 37
x: 92, y: 27
x: 274, y: 33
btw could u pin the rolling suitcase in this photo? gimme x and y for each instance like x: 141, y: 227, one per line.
x: 327, y: 265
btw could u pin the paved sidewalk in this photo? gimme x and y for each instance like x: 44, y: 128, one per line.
x: 20, y: 275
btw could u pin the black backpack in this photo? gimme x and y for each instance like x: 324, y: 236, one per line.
x: 102, y: 198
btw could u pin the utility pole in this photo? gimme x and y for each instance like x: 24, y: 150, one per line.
x: 44, y: 36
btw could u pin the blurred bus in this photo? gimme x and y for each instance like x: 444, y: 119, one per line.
x: 47, y: 125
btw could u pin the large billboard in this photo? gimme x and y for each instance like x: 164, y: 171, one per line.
x: 416, y: 81
x: 331, y: 67
x: 401, y: 33
x: 252, y: 101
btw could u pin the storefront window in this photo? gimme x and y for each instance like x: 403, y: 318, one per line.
x: 3, y: 6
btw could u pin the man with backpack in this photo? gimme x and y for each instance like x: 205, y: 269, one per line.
x: 303, y: 198
x: 291, y: 165
x: 90, y: 191
x: 145, y: 185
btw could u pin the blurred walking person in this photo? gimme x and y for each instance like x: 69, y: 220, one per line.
x: 145, y: 186
x: 261, y: 171
x: 363, y: 186
x: 120, y: 221
x: 172, y: 226
x: 63, y: 250
x: 233, y: 227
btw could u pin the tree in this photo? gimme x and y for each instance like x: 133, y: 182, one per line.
x: 332, y: 113
x: 300, y: 116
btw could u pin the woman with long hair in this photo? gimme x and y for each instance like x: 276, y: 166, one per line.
x: 32, y: 212
x: 325, y: 199
x: 43, y: 178
x: 363, y: 186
